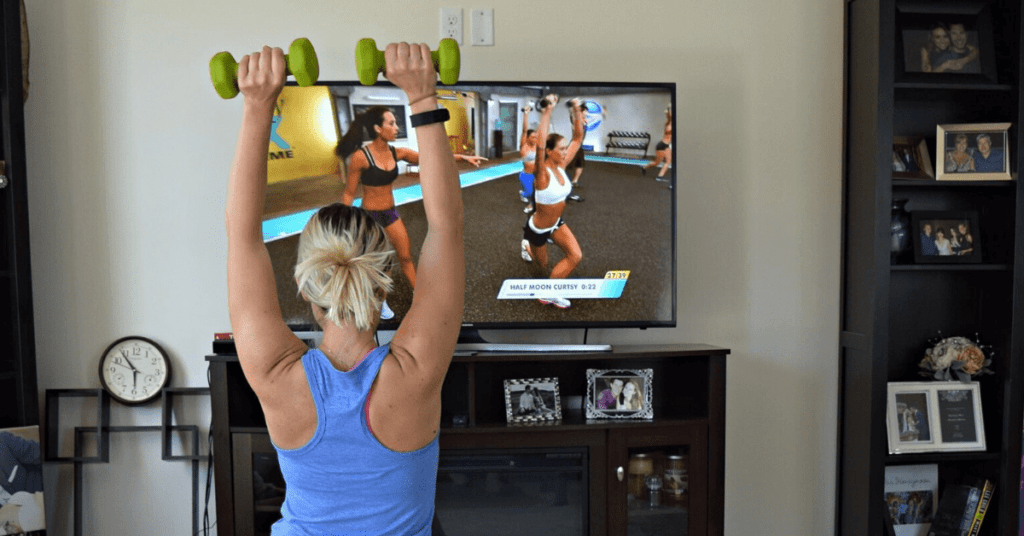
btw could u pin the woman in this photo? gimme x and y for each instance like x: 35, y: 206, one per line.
x: 375, y: 166
x: 551, y: 188
x: 663, y: 150
x: 936, y: 49
x: 630, y: 398
x: 528, y: 154
x: 959, y: 160
x: 941, y: 242
x: 355, y: 426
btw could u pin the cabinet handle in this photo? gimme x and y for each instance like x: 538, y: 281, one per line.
x: 621, y: 473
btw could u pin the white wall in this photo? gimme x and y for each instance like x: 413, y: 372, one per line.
x: 129, y: 149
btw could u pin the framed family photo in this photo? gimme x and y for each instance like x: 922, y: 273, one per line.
x: 975, y: 152
x: 910, y: 158
x: 532, y: 400
x: 945, y: 237
x: 945, y: 42
x: 619, y: 394
x: 934, y: 417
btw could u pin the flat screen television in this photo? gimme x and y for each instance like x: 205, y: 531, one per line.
x: 624, y: 220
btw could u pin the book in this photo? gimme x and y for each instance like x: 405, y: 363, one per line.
x: 987, y: 490
x: 911, y: 497
x: 958, y: 508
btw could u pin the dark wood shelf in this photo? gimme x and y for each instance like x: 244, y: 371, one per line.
x: 941, y: 457
x: 571, y: 424
x: 891, y: 312
x: 931, y: 183
x: 688, y: 399
x: 980, y: 267
x: 924, y: 86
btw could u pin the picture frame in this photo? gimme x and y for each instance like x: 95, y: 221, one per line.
x: 532, y: 400
x: 963, y: 154
x: 619, y: 394
x: 945, y: 42
x: 910, y: 159
x: 934, y: 417
x: 946, y: 237
x: 911, y: 497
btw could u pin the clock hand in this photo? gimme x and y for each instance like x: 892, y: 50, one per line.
x: 129, y: 361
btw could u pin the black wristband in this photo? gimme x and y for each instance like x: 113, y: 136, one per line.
x: 439, y: 115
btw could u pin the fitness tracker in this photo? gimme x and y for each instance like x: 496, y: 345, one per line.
x: 439, y: 115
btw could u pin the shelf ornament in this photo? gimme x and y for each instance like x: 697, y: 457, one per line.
x: 956, y: 358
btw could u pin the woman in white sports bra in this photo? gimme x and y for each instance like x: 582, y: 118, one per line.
x: 551, y: 187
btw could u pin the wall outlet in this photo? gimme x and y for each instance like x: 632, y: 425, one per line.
x: 451, y: 24
x: 483, y: 27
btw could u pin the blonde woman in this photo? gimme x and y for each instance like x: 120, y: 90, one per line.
x: 355, y: 425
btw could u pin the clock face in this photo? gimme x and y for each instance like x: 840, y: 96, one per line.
x: 134, y: 370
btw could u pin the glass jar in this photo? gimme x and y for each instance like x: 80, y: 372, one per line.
x: 641, y: 466
x: 677, y: 475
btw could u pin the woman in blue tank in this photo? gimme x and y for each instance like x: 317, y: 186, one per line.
x: 528, y: 155
x: 551, y: 188
x: 375, y: 166
x: 355, y: 425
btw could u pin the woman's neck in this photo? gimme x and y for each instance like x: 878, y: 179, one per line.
x: 345, y: 346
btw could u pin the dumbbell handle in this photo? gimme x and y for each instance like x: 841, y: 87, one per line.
x: 367, y: 53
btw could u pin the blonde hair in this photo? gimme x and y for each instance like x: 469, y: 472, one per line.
x: 344, y: 265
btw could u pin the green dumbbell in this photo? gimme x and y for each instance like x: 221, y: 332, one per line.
x: 300, y: 62
x: 370, y: 61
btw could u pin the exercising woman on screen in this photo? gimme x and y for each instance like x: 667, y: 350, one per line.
x: 355, y: 425
x: 375, y: 166
x: 528, y: 153
x: 663, y: 150
x: 551, y: 188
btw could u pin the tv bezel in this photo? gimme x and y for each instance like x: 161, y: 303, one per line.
x: 589, y: 88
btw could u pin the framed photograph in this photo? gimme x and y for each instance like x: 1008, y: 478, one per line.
x: 911, y: 497
x: 943, y: 237
x: 532, y: 400
x: 619, y: 394
x: 934, y: 417
x: 978, y: 152
x: 945, y: 42
x: 910, y: 158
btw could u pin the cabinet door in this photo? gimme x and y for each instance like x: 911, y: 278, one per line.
x: 259, y: 486
x: 635, y: 506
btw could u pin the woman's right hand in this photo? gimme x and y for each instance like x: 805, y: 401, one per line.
x: 411, y: 68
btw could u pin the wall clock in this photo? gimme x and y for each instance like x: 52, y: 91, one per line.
x: 134, y: 370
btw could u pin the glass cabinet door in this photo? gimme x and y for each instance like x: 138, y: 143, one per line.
x: 658, y: 481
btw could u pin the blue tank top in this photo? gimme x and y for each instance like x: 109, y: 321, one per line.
x: 344, y: 481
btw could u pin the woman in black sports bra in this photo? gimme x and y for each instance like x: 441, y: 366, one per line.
x: 375, y: 166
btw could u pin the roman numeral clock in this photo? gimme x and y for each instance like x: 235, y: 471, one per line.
x: 134, y: 370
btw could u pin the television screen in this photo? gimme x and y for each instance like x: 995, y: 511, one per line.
x: 621, y: 213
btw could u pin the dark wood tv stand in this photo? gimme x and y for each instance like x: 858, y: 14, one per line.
x: 689, y: 416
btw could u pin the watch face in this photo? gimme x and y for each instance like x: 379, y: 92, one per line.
x: 134, y: 370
